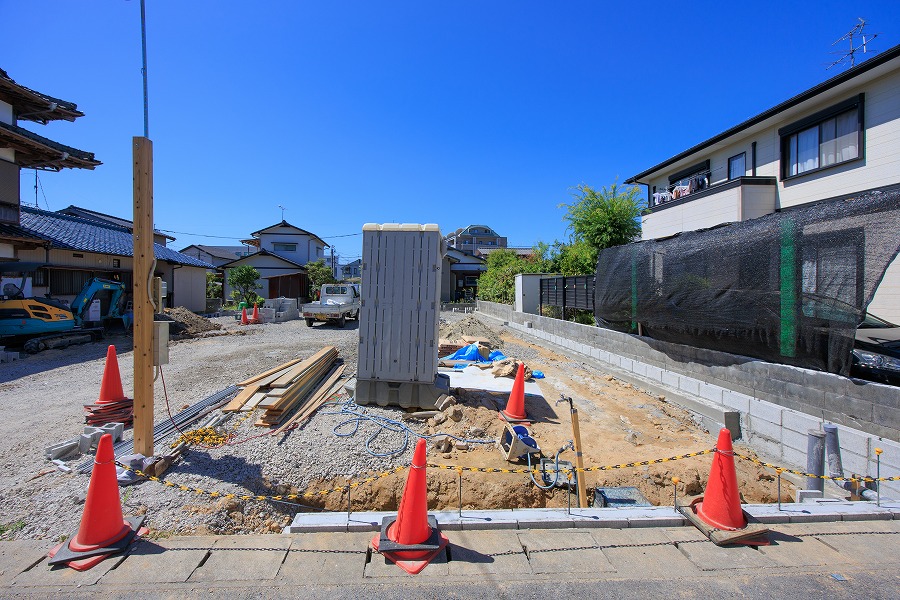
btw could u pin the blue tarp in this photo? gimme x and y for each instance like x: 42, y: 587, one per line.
x: 469, y: 352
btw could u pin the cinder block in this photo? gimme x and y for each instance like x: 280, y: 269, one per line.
x: 689, y: 385
x: 854, y: 441
x: 604, y: 356
x: 595, y: 353
x: 760, y: 409
x: 794, y: 439
x: 759, y: 426
x: 670, y: 379
x: 794, y: 459
x: 807, y: 496
x: 639, y: 368
x: 736, y: 400
x: 886, y: 416
x: 711, y: 392
x: 61, y: 449
x: 799, y: 422
x: 626, y: 363
x: 654, y: 373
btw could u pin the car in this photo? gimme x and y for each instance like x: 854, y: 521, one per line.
x: 876, y: 352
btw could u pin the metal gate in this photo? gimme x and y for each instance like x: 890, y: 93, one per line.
x: 568, y: 292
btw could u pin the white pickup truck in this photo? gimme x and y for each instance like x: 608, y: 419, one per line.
x: 337, y: 303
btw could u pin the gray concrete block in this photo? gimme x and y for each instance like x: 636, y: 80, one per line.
x: 626, y: 364
x: 689, y: 385
x: 794, y: 439
x: 854, y: 408
x: 61, y: 449
x: 711, y: 392
x: 886, y: 416
x: 670, y: 379
x: 795, y: 459
x: 854, y: 441
x: 799, y: 422
x: 736, y: 400
x: 760, y: 409
x: 801, y: 496
x: 654, y: 373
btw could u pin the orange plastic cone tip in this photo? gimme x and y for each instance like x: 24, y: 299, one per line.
x: 721, y: 506
x: 111, y: 384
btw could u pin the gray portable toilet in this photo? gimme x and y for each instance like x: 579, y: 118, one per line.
x: 399, y: 317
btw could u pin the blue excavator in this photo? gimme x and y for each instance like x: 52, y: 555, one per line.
x: 43, y: 323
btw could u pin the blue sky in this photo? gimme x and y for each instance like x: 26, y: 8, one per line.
x: 449, y: 112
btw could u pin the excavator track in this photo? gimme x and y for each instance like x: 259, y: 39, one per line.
x: 63, y: 340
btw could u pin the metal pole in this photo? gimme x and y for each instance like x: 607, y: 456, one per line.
x: 815, y: 459
x: 675, y: 481
x: 779, y: 488
x: 459, y: 488
x: 144, y: 71
x: 348, y: 498
x: 878, y: 452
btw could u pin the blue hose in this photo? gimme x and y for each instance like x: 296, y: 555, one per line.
x: 358, y: 415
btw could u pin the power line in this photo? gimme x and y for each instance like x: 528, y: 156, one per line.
x: 237, y: 237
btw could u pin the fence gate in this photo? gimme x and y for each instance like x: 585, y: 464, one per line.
x: 568, y: 292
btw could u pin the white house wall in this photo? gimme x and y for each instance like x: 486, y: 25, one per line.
x: 697, y: 214
x: 308, y: 249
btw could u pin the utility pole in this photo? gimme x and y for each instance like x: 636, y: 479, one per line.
x: 144, y: 261
x: 333, y: 268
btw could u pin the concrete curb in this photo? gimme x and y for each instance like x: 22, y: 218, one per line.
x: 822, y: 511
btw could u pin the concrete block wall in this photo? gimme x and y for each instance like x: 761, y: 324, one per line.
x: 778, y: 403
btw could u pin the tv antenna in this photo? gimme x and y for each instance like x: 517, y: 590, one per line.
x: 857, y: 32
x: 282, y: 211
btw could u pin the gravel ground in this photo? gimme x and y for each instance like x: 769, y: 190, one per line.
x: 41, y: 398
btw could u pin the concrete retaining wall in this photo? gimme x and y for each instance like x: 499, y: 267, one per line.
x: 777, y: 403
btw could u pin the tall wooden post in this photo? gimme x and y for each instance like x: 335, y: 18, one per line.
x: 143, y: 309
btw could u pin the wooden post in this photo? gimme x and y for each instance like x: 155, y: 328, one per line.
x: 143, y: 309
x: 579, y: 461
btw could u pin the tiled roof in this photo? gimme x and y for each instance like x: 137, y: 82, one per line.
x: 229, y: 252
x: 73, y: 233
x: 286, y: 224
x: 16, y: 232
x: 41, y: 151
x: 262, y: 252
x: 34, y: 105
x: 93, y: 215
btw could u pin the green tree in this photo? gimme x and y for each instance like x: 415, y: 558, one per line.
x: 318, y: 273
x: 498, y: 283
x: 213, y: 285
x: 244, y: 280
x: 605, y: 217
x: 577, y: 258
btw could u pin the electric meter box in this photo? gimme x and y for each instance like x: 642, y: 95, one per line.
x: 399, y: 315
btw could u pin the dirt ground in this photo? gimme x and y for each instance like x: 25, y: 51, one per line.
x: 41, y: 397
x: 618, y: 423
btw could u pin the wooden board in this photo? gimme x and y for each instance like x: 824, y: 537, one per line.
x: 293, y: 373
x: 318, y: 399
x: 253, y: 402
x: 271, y: 371
x: 754, y: 534
x: 238, y: 401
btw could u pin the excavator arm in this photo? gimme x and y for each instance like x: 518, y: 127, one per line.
x: 83, y: 300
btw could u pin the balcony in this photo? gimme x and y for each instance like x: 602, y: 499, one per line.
x: 738, y: 199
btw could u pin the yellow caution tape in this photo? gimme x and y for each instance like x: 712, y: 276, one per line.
x: 802, y: 474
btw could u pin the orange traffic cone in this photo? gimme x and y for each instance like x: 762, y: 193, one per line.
x: 103, y: 530
x: 721, y: 506
x: 515, y: 407
x: 111, y: 385
x: 244, y: 320
x: 411, y: 540
x: 255, y: 317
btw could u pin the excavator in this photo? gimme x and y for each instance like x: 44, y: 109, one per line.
x: 48, y: 322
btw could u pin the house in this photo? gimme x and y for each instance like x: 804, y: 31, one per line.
x: 834, y: 141
x: 472, y: 237
x: 23, y: 149
x: 76, y: 249
x: 459, y: 275
x: 281, y: 277
x: 289, y: 242
x: 351, y: 269
x: 91, y: 215
x: 217, y: 255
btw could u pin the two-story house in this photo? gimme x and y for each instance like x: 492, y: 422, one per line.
x: 835, y: 140
x: 22, y: 149
x: 351, y: 269
x: 283, y: 251
x: 217, y: 255
x: 469, y: 239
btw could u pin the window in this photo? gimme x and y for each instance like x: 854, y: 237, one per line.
x: 116, y: 263
x: 281, y: 247
x: 471, y: 280
x: 737, y: 166
x: 830, y: 137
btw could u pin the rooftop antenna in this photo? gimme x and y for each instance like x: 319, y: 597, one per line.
x: 282, y: 211
x: 856, y: 32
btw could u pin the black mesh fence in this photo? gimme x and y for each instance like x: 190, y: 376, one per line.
x: 790, y: 287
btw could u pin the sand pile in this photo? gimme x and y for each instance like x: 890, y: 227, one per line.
x: 185, y: 323
x: 471, y: 327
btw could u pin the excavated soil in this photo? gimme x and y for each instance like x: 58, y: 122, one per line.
x: 185, y: 323
x: 470, y: 326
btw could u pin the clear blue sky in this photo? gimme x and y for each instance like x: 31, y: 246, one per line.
x: 449, y: 112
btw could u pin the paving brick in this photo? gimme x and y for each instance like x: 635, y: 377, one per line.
x: 16, y: 556
x: 564, y: 552
x: 248, y: 557
x: 491, y: 554
x: 706, y: 556
x: 791, y: 551
x: 325, y: 558
x: 161, y: 561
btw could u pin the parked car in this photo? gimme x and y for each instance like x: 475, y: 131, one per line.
x: 876, y: 353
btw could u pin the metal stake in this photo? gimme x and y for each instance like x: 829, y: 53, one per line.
x: 569, y: 493
x: 675, y: 481
x: 459, y: 487
x: 878, y: 452
x: 348, y: 499
x: 779, y: 488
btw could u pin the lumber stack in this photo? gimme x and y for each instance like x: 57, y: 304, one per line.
x: 282, y: 390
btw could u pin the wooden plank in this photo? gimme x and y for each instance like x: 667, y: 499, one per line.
x: 316, y: 401
x: 253, y: 402
x: 142, y: 162
x: 271, y: 371
x: 307, y: 383
x: 286, y: 379
x: 238, y: 401
x: 310, y: 375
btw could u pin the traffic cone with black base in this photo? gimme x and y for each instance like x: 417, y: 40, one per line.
x: 718, y: 512
x: 411, y: 540
x: 103, y: 530
x: 515, y: 406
